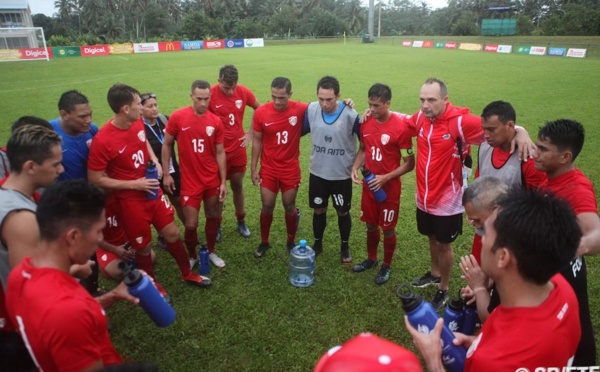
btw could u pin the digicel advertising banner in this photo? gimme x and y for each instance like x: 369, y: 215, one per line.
x: 35, y: 53
x: 214, y: 44
x: 450, y: 45
x: 406, y: 43
x: 169, y: 46
x: 94, y: 50
x: 493, y: 48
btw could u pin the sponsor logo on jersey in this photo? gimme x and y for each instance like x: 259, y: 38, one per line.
x: 328, y: 139
x: 210, y: 130
x: 142, y: 135
x: 293, y: 120
x: 385, y: 138
x: 238, y: 103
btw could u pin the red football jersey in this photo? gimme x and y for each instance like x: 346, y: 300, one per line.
x: 197, y: 137
x: 383, y: 143
x: 281, y: 131
x: 231, y: 112
x: 576, y: 189
x: 122, y: 154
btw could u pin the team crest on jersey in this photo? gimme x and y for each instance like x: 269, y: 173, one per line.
x: 139, y: 240
x: 293, y: 120
x: 88, y: 143
x: 210, y: 131
x: 238, y: 103
x: 385, y: 138
x: 142, y: 135
x: 446, y: 136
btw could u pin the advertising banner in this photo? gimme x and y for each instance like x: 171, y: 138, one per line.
x: 428, y: 44
x: 65, y: 52
x: 504, y: 48
x: 192, y: 45
x: 145, y: 48
x: 537, y: 51
x: 557, y: 52
x: 234, y: 43
x: 125, y: 48
x: 492, y: 48
x: 94, y: 50
x: 440, y: 44
x: 450, y: 45
x: 35, y: 53
x: 406, y: 43
x: 214, y: 44
x: 418, y: 44
x: 254, y: 43
x: 576, y: 53
x: 9, y: 54
x: 523, y: 49
x: 169, y: 46
x: 471, y: 46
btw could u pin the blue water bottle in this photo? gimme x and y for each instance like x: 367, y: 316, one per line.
x: 152, y: 173
x: 423, y: 317
x: 153, y: 303
x: 302, y: 265
x: 453, y: 314
x: 204, y: 265
x: 380, y: 195
x: 469, y: 319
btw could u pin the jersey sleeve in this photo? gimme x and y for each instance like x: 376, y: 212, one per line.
x: 250, y: 97
x: 306, y: 124
x: 405, y: 139
x: 472, y: 130
x: 99, y: 156
x: 256, y: 119
x: 72, y: 339
x: 219, y: 130
x: 411, y: 123
x: 532, y: 178
x: 173, y: 124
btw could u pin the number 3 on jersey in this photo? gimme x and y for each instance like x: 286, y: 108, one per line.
x: 198, y: 145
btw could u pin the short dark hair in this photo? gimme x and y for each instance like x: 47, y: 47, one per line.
x: 30, y: 120
x: 200, y: 84
x: 30, y: 142
x: 443, y: 87
x: 229, y: 74
x: 66, y: 204
x: 484, y: 192
x: 69, y: 99
x: 566, y: 134
x: 539, y: 229
x: 282, y: 82
x: 329, y: 82
x: 381, y: 91
x: 503, y: 110
x: 120, y: 95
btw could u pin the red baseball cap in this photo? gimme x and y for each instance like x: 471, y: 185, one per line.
x: 368, y: 353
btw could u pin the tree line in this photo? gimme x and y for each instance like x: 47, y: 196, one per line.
x: 79, y: 22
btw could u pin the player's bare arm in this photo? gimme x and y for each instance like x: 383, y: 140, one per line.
x: 168, y: 182
x: 100, y: 179
x: 358, y: 162
x: 220, y: 157
x: 20, y: 234
x: 408, y: 164
x: 256, y: 151
x: 155, y: 160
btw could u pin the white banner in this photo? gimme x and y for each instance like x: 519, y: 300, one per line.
x: 418, y: 44
x: 254, y: 43
x: 504, y: 49
x: 538, y: 51
x: 576, y: 53
x: 145, y: 48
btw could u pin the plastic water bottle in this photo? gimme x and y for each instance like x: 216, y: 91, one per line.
x: 453, y: 314
x: 380, y: 195
x: 423, y: 317
x: 204, y: 265
x: 152, y: 173
x: 469, y: 319
x: 302, y: 265
x: 153, y: 303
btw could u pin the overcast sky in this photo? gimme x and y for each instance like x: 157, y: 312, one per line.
x: 47, y: 6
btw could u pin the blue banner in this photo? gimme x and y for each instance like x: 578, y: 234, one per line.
x: 557, y: 52
x: 192, y: 45
x: 234, y: 43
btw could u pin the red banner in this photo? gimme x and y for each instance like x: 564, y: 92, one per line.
x: 169, y: 46
x: 407, y: 43
x: 491, y: 48
x: 34, y: 53
x: 214, y: 44
x: 450, y: 45
x: 428, y: 44
x: 94, y: 50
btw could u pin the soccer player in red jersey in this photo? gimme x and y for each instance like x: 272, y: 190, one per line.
x: 385, y: 150
x: 527, y: 241
x: 63, y: 326
x: 118, y: 158
x: 199, y: 135
x: 558, y: 145
x: 277, y: 127
x: 228, y: 100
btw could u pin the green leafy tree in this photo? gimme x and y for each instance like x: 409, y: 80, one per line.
x: 197, y: 26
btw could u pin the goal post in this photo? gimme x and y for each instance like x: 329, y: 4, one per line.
x: 23, y: 44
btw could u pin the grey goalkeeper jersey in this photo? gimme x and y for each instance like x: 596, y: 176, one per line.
x: 333, y: 145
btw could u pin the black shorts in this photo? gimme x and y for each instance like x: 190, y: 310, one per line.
x: 445, y: 228
x: 177, y: 179
x: 320, y: 189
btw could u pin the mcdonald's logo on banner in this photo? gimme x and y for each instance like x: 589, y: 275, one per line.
x: 169, y: 46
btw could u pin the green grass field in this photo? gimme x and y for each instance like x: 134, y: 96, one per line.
x: 252, y: 319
